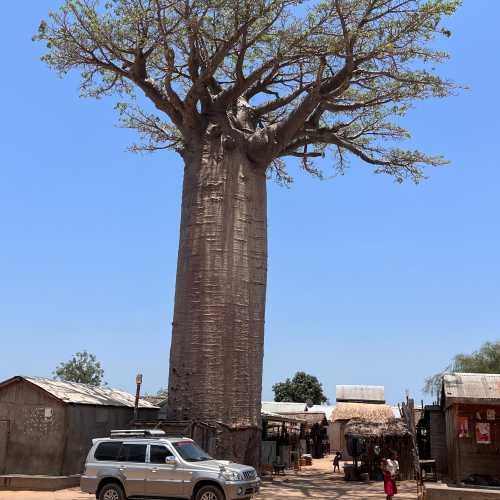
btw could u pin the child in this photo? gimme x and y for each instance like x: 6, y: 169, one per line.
x: 336, y: 461
x: 390, y: 466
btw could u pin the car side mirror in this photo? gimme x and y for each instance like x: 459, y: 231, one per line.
x: 171, y: 460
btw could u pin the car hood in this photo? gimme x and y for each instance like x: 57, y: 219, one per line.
x: 217, y: 464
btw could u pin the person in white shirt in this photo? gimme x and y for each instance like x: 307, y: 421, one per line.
x: 390, y: 467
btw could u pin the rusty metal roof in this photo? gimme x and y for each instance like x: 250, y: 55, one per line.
x: 366, y: 411
x: 360, y: 393
x: 471, y: 386
x: 75, y: 393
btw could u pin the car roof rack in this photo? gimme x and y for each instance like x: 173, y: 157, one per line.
x: 143, y: 433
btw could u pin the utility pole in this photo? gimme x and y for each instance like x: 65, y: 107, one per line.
x: 138, y: 382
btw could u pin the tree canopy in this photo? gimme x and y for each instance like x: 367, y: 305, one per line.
x: 302, y: 388
x: 277, y: 78
x: 485, y: 360
x: 83, y: 367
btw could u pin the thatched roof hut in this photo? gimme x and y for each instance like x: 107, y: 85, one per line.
x: 393, y: 427
x: 370, y: 441
x: 370, y: 412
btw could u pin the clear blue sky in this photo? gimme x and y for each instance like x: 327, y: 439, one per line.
x: 370, y: 282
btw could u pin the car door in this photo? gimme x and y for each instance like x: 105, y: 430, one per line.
x: 165, y: 480
x: 133, y: 468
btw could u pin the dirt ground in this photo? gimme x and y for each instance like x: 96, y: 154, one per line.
x: 313, y: 482
x: 319, y: 481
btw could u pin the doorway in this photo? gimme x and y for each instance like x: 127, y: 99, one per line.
x: 4, y: 439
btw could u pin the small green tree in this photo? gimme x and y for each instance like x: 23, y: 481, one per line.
x: 83, y: 367
x: 302, y: 388
x: 485, y: 360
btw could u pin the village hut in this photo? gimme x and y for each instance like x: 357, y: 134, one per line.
x: 470, y: 405
x: 283, y: 439
x: 47, y: 426
x: 314, y: 436
x: 327, y: 410
x: 345, y: 412
x: 369, y: 441
x: 317, y: 427
x: 431, y: 440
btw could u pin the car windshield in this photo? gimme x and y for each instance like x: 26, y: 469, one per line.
x: 191, y: 452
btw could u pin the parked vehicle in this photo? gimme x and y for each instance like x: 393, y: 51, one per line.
x: 147, y: 463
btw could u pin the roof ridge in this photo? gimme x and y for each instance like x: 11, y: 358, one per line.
x: 79, y: 393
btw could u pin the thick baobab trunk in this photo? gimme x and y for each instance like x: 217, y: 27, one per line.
x: 218, y: 329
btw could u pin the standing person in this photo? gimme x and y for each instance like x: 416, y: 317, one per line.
x: 336, y: 461
x: 390, y: 467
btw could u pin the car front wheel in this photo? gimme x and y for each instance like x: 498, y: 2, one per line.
x: 209, y: 493
x: 112, y: 491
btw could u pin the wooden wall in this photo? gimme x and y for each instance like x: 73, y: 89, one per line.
x: 86, y: 422
x: 35, y: 423
x: 39, y: 434
x: 465, y: 455
x: 437, y: 429
x: 337, y: 438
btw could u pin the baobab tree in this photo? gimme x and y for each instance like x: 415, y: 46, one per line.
x: 235, y: 87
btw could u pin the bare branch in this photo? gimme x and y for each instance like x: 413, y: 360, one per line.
x: 271, y: 79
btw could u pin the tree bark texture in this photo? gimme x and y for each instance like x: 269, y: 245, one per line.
x: 218, y: 329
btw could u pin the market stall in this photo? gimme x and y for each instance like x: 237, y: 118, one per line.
x: 368, y: 442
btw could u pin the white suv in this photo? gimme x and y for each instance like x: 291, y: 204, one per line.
x: 146, y: 463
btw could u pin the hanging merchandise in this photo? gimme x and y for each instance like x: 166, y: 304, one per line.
x: 483, y: 434
x: 463, y: 427
x: 490, y: 414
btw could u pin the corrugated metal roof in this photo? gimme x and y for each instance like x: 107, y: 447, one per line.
x: 326, y: 409
x: 283, y: 408
x: 478, y: 386
x: 360, y: 393
x: 365, y: 411
x: 72, y: 392
x: 159, y: 401
x: 311, y: 417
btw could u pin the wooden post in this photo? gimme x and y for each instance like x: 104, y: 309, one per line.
x: 138, y: 381
x: 408, y: 413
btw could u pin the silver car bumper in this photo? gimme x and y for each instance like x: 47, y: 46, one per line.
x: 88, y: 484
x: 240, y: 490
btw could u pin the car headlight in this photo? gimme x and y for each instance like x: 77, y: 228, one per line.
x: 229, y: 475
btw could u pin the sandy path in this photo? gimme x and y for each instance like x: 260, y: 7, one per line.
x: 319, y: 481
x: 313, y: 482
